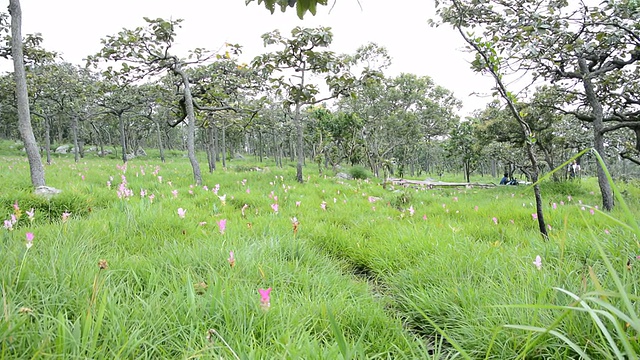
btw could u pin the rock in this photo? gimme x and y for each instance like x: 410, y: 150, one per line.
x: 47, y: 191
x: 141, y: 152
x: 238, y: 156
x: 91, y: 149
x: 342, y: 175
x: 62, y: 149
x: 105, y: 152
x: 130, y: 156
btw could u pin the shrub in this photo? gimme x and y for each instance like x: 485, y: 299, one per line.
x: 359, y: 172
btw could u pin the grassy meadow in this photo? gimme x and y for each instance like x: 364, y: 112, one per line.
x: 134, y: 262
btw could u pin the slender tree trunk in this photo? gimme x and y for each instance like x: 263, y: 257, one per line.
x: 76, y: 148
x: 123, y: 138
x: 36, y: 168
x: 191, y: 126
x: 211, y: 149
x: 598, y: 138
x: 160, y: 146
x: 47, y: 138
x: 224, y: 146
x: 299, y: 143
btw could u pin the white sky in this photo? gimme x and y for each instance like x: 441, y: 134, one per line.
x: 74, y: 29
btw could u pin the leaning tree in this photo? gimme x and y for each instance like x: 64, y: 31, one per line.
x: 145, y: 52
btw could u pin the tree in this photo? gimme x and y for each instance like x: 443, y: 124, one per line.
x: 299, y: 55
x: 461, y: 15
x: 145, y: 52
x: 302, y: 6
x: 36, y: 168
x: 583, y: 49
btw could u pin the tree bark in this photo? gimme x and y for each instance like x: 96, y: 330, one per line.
x: 123, y: 139
x: 47, y: 138
x: 76, y: 148
x: 191, y: 126
x: 36, y: 168
x: 160, y: 147
x: 598, y: 138
x: 299, y: 144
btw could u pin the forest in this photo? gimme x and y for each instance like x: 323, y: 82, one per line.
x: 301, y: 193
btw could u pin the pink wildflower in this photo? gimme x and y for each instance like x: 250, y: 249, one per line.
x: 475, y: 208
x: 554, y: 206
x: 175, y: 193
x: 65, y: 216
x: 265, y: 301
x: 29, y: 240
x: 297, y: 203
x: 244, y: 207
x: 323, y: 205
x: 592, y: 212
x: 424, y: 217
x: 538, y: 262
x: 31, y: 214
x: 182, y: 212
x: 534, y: 216
x: 275, y: 208
x: 231, y: 259
x: 222, y: 225
x: 151, y: 197
x: 495, y: 220
x: 411, y: 210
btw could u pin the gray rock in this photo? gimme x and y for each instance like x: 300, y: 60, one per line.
x: 62, y: 149
x: 342, y: 175
x: 130, y: 156
x: 47, y: 191
x: 141, y: 152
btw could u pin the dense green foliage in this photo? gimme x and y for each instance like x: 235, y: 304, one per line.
x: 354, y: 268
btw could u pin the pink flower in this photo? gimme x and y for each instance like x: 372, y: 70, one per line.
x: 265, y: 301
x: 29, y: 240
x: 143, y: 193
x: 243, y: 209
x: 411, y: 210
x: 554, y: 206
x: 65, y: 216
x: 160, y: 179
x: 592, y: 211
x: 16, y: 208
x: 569, y: 197
x: 606, y: 231
x: 202, y: 223
x: 275, y: 208
x: 561, y: 202
x: 108, y: 184
x: 182, y: 212
x: 495, y: 220
x: 323, y: 205
x: 534, y: 216
x: 475, y: 208
x: 455, y: 198
x: 151, y: 197
x: 538, y: 262
x: 8, y: 225
x: 297, y: 203
x: 222, y: 225
x: 248, y: 191
x: 31, y: 214
x: 231, y: 259
x: 175, y: 193
x: 424, y: 217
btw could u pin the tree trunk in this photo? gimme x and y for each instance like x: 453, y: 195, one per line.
x: 36, y: 168
x: 160, y: 147
x: 224, y: 146
x: 123, y: 139
x: 76, y: 147
x: 299, y: 144
x: 191, y: 126
x: 211, y: 149
x: 598, y: 138
x: 47, y: 138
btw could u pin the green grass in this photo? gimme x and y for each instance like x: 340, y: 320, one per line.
x: 363, y: 278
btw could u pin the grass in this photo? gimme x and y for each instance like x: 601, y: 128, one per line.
x: 363, y: 278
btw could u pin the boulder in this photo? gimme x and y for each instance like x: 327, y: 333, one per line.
x: 47, y: 191
x: 342, y: 175
x: 130, y: 156
x: 141, y: 152
x: 62, y: 149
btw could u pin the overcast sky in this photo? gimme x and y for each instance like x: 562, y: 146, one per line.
x: 74, y: 29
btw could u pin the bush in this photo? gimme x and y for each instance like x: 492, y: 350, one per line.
x: 359, y: 172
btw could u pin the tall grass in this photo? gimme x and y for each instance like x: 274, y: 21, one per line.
x: 372, y: 273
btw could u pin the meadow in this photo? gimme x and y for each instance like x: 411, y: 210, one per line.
x: 136, y: 262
